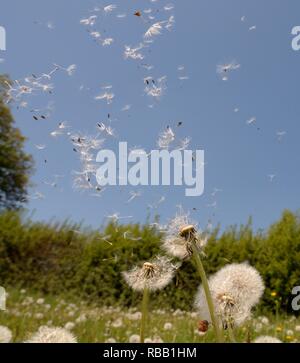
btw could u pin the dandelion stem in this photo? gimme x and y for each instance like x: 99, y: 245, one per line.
x: 209, y: 300
x: 144, y: 314
x: 231, y: 333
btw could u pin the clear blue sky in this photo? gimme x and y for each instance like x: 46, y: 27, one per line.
x: 239, y: 157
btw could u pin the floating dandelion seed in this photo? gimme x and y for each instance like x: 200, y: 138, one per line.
x: 235, y: 289
x: 154, y: 30
x: 166, y: 138
x: 52, y: 335
x: 154, y: 275
x: 225, y: 69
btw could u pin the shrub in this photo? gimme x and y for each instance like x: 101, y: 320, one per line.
x: 66, y: 258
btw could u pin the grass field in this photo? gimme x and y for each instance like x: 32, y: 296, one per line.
x: 26, y: 312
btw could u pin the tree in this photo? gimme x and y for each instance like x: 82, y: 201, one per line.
x: 15, y: 164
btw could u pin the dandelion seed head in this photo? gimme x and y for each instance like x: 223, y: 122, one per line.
x: 266, y: 339
x: 235, y: 289
x: 70, y: 325
x: 154, y: 275
x: 5, y: 334
x: 46, y: 334
x: 180, y: 232
x: 134, y: 338
x: 168, y: 326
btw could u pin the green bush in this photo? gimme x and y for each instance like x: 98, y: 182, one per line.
x: 67, y: 259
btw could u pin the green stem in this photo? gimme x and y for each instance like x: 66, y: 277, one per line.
x: 231, y: 333
x: 201, y: 271
x: 144, y: 314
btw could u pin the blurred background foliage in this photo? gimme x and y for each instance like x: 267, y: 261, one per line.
x: 68, y: 259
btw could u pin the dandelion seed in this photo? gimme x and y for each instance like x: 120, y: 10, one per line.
x: 225, y: 69
x: 166, y: 138
x: 134, y: 53
x: 89, y: 21
x: 235, y: 289
x: 154, y: 30
x: 109, y: 8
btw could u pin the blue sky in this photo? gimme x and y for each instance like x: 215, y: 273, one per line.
x: 239, y: 157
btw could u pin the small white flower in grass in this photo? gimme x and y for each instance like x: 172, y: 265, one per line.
x: 52, y: 335
x: 179, y: 235
x: 297, y: 328
x: 148, y: 341
x: 235, y: 289
x: 266, y: 339
x: 153, y: 275
x: 5, y: 334
x: 168, y: 326
x: 134, y: 339
x: 289, y: 332
x: 40, y: 301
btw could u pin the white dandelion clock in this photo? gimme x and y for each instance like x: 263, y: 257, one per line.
x: 52, y: 335
x: 235, y: 290
x: 5, y: 334
x: 154, y: 275
x: 266, y: 339
x: 181, y: 232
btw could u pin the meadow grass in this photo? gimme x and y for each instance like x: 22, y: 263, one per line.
x: 26, y: 311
